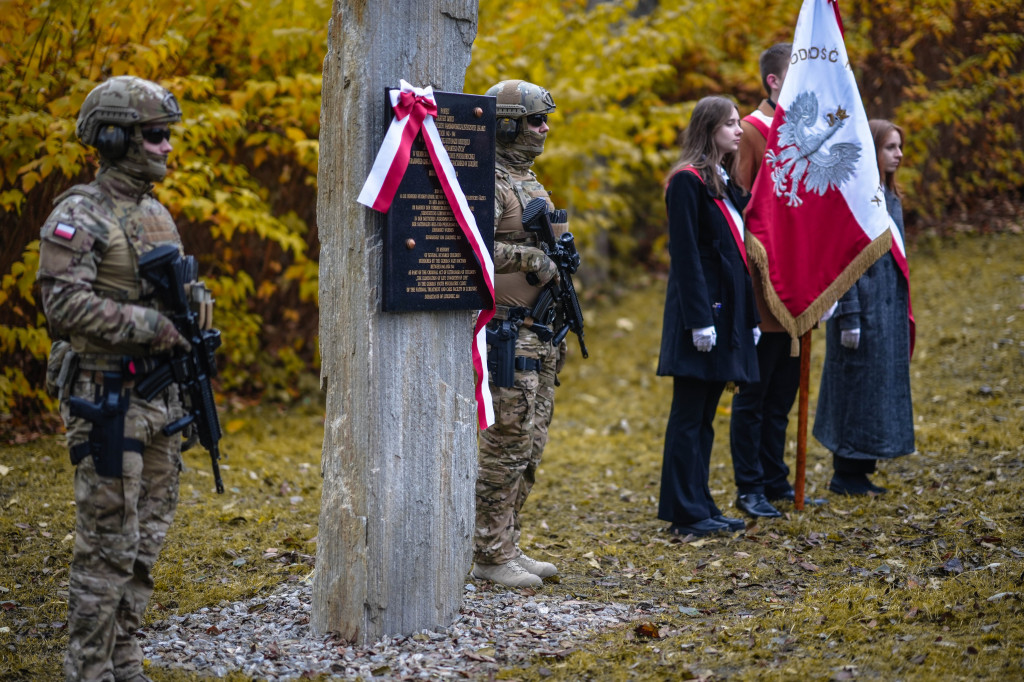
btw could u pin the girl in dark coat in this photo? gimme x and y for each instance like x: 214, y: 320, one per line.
x: 710, y: 323
x: 864, y: 409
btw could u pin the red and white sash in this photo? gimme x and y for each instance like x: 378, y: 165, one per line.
x: 760, y: 120
x: 415, y: 109
x: 732, y: 216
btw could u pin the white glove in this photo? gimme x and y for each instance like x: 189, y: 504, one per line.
x: 829, y: 313
x: 757, y: 335
x: 704, y: 339
x: 850, y: 338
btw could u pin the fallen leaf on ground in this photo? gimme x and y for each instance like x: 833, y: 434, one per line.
x: 647, y: 629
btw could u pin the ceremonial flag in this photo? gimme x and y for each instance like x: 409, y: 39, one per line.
x: 817, y: 220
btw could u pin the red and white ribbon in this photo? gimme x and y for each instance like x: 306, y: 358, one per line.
x: 415, y: 109
x: 732, y: 216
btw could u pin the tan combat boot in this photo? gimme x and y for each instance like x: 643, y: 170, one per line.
x: 510, y: 574
x: 541, y: 569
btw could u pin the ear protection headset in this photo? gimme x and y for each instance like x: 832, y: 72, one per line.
x: 112, y: 142
x: 507, y: 130
x: 509, y: 102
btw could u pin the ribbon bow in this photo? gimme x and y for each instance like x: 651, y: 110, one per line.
x: 411, y: 103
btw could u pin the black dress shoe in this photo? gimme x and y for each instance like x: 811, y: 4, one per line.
x: 733, y: 524
x: 756, y: 504
x: 854, y: 484
x: 699, y: 528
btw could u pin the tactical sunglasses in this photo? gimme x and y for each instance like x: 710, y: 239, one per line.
x: 156, y: 135
x: 537, y: 120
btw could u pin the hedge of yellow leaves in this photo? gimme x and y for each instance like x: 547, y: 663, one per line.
x: 242, y: 186
x: 625, y: 76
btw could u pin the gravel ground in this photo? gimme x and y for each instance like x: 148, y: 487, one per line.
x: 269, y: 637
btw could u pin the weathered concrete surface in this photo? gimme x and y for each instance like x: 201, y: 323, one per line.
x: 399, y: 454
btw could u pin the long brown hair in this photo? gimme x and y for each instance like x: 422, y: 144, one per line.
x: 699, y: 149
x: 880, y: 129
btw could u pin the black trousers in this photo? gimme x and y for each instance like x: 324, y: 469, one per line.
x: 760, y: 415
x: 685, y: 496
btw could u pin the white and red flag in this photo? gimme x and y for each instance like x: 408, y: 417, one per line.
x: 817, y: 220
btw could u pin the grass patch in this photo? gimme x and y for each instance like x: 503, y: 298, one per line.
x: 221, y: 547
x: 923, y: 583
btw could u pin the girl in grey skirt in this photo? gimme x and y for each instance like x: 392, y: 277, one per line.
x: 864, y: 409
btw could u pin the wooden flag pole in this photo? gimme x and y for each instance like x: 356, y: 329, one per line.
x: 801, y: 436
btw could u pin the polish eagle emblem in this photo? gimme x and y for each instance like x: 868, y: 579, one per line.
x: 804, y: 155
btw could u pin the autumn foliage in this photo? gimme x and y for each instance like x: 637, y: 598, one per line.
x: 243, y: 173
x: 624, y: 75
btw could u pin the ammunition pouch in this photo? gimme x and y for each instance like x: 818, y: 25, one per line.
x: 61, y: 368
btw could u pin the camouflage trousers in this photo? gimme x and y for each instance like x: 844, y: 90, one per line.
x: 510, y: 452
x: 120, y: 527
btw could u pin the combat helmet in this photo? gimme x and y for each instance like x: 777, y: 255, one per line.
x: 518, y: 99
x: 112, y: 118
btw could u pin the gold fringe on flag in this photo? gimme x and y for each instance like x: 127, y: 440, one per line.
x: 797, y: 326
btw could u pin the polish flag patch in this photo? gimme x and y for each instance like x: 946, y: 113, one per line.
x: 65, y: 231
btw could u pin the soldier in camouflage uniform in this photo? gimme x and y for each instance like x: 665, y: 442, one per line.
x: 510, y: 450
x: 106, y: 325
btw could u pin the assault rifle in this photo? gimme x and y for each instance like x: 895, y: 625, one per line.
x: 165, y: 268
x: 558, y: 299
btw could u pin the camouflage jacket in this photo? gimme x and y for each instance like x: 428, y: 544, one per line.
x: 514, y: 188
x: 88, y: 264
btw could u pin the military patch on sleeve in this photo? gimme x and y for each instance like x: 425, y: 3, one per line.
x: 65, y: 231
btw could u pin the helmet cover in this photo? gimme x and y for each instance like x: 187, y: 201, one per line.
x: 517, y: 99
x: 129, y: 102
x: 125, y: 101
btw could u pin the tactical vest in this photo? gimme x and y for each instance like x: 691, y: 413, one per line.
x: 512, y: 289
x: 133, y: 229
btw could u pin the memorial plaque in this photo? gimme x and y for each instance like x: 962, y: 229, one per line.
x: 428, y: 262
